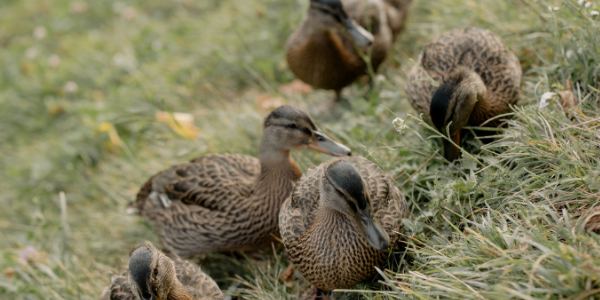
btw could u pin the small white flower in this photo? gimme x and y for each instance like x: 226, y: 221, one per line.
x: 71, y: 87
x: 570, y: 53
x: 588, y: 4
x: 399, y: 124
x: 31, y: 53
x: 40, y: 32
x: 545, y: 97
x: 54, y: 60
x: 553, y: 8
x: 580, y: 2
x: 594, y: 13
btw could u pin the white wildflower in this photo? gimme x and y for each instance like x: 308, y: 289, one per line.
x: 594, y: 13
x: 54, y: 60
x: 553, y: 8
x: 570, y: 53
x: 71, y: 87
x: 399, y: 124
x: 545, y: 97
x: 580, y: 2
x: 40, y: 32
x: 31, y: 53
x: 588, y: 4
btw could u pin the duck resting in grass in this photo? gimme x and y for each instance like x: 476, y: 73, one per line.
x: 479, y: 79
x: 230, y: 202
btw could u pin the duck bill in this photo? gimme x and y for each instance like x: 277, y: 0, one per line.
x: 451, y: 152
x: 359, y: 34
x: 372, y: 229
x: 325, y: 144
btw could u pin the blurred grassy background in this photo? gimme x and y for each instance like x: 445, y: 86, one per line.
x: 81, y: 82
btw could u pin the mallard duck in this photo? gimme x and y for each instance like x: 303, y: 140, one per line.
x: 479, y: 79
x: 231, y: 202
x: 323, y: 51
x: 340, y: 221
x: 153, y: 275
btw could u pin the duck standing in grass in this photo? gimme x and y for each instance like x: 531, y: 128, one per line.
x: 324, y: 51
x: 340, y: 222
x: 478, y: 76
x: 153, y: 276
x: 231, y: 202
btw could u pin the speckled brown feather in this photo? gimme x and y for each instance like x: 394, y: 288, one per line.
x: 479, y: 50
x: 326, y: 246
x: 322, y: 54
x: 196, y: 283
x: 211, y: 209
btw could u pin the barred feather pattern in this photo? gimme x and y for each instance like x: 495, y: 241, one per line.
x: 219, y: 202
x: 326, y: 246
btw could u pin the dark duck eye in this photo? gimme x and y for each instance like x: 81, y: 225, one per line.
x: 292, y: 125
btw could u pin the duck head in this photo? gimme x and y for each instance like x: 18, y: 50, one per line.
x: 151, y: 273
x: 343, y: 189
x: 452, y: 103
x: 288, y: 127
x: 335, y: 9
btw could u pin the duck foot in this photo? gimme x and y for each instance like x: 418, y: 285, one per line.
x: 315, y: 294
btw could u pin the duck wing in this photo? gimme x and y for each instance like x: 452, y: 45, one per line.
x: 212, y: 181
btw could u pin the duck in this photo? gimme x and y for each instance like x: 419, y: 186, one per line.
x: 476, y: 79
x: 230, y: 202
x: 154, y: 275
x: 323, y: 52
x: 341, y: 221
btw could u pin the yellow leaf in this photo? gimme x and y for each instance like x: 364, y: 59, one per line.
x: 181, y: 123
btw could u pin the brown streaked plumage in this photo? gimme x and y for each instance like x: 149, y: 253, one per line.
x: 231, y: 202
x: 153, y: 275
x: 479, y: 79
x: 339, y: 221
x: 323, y: 51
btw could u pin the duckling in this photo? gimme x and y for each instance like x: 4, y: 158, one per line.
x: 231, y: 202
x: 479, y: 76
x: 153, y: 275
x: 323, y: 51
x: 340, y: 221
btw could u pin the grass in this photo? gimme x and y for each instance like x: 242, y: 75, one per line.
x: 505, y: 222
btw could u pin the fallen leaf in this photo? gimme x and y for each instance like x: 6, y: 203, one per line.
x: 10, y: 273
x: 295, y: 87
x: 288, y: 276
x: 113, y: 135
x: 55, y: 109
x: 568, y: 100
x: 181, y: 123
x: 266, y: 102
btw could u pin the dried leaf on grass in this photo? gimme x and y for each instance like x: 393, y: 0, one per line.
x: 181, y: 123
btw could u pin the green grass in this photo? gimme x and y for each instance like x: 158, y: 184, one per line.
x: 506, y: 222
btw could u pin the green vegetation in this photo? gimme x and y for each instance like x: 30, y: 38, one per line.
x: 81, y: 82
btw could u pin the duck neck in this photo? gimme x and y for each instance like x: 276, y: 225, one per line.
x: 278, y: 173
x: 456, y: 99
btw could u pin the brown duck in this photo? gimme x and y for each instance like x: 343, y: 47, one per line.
x: 340, y: 221
x: 479, y: 79
x: 153, y: 275
x: 323, y: 51
x: 231, y: 202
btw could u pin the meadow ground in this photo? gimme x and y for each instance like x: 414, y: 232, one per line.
x: 81, y: 83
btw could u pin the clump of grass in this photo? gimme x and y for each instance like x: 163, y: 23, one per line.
x: 504, y: 222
